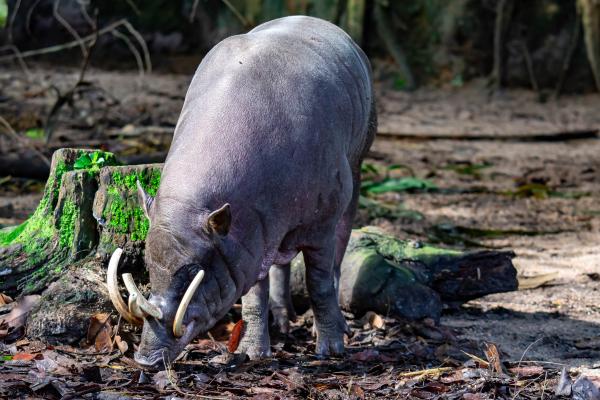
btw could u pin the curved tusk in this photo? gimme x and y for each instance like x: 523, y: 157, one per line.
x: 113, y: 289
x: 139, y: 305
x: 185, y: 302
x: 134, y: 308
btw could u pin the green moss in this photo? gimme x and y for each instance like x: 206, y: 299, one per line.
x: 150, y: 180
x: 68, y: 218
x: 8, y: 235
x: 400, y: 250
x: 140, y: 225
x: 124, y: 215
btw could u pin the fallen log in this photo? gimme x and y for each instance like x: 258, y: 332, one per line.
x: 409, y: 279
x: 90, y: 207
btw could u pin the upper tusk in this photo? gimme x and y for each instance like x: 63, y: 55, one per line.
x: 185, y: 301
x: 113, y: 289
x: 141, y: 305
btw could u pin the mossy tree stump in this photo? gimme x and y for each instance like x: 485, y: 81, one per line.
x: 90, y: 207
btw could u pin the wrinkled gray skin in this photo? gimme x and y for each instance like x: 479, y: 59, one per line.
x: 275, y: 123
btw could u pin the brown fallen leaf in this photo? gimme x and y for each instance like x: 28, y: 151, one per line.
x: 493, y: 357
x: 527, y: 371
x: 474, y: 396
x: 17, y: 317
x: 372, y: 320
x: 99, y: 332
x: 533, y: 282
x: 27, y: 357
x: 4, y: 299
x: 236, y: 336
x: 221, y: 332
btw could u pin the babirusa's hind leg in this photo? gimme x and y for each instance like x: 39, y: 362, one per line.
x: 329, y: 321
x: 281, y: 297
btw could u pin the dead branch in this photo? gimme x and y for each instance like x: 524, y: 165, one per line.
x: 12, y: 20
x: 69, y: 28
x: 69, y: 45
x: 67, y: 98
x: 237, y: 14
x: 569, y: 56
x: 19, y: 57
x: 387, y: 35
x: 27, y: 144
x: 529, y: 65
x: 193, y: 10
x: 136, y: 54
x: 503, y: 14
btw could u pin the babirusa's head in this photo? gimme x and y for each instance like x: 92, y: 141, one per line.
x: 193, y: 277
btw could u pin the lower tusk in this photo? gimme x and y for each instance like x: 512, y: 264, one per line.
x: 141, y: 305
x: 113, y: 289
x: 185, y: 302
x: 134, y: 308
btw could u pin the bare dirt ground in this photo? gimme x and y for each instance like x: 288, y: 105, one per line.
x: 556, y: 323
x: 524, y: 174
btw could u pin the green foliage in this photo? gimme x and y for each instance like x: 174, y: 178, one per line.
x: 376, y: 181
x: 92, y: 162
x: 398, y: 185
x: 3, y: 13
x: 35, y: 133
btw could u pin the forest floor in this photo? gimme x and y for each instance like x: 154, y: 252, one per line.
x: 511, y: 172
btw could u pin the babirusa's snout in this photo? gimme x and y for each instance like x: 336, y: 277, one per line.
x: 178, y: 330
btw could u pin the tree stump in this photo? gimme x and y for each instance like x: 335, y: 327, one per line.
x: 90, y: 207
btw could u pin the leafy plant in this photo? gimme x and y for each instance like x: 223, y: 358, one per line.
x: 3, y: 13
x: 93, y: 163
x: 35, y: 133
x: 398, y: 185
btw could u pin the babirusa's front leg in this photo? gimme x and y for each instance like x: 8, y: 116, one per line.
x: 255, y: 313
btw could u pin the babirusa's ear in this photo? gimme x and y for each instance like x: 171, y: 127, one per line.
x: 219, y: 220
x: 145, y: 199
